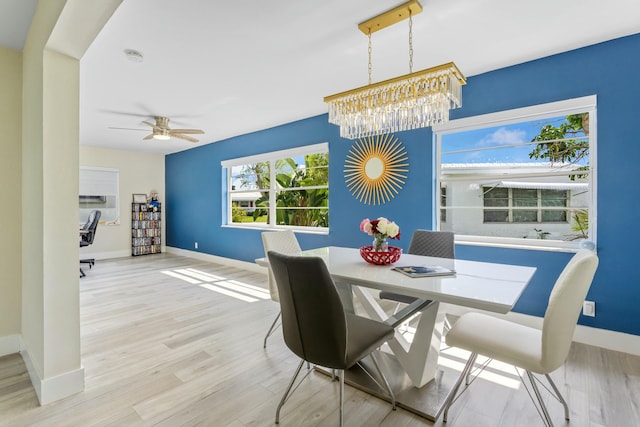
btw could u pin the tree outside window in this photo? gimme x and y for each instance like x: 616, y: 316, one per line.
x: 288, y: 191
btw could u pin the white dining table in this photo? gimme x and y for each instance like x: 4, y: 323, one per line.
x: 479, y: 285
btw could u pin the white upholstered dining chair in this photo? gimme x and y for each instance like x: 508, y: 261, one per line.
x: 284, y: 242
x: 534, y: 350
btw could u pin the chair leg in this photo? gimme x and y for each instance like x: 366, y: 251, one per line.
x: 559, y: 397
x: 386, y: 383
x: 271, y: 329
x: 82, y: 273
x: 286, y: 393
x: 545, y: 412
x: 463, y: 375
x: 341, y: 398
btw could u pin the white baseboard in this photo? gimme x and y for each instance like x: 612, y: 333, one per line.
x: 611, y: 340
x: 10, y: 344
x: 251, y: 266
x: 55, y: 388
x: 106, y: 255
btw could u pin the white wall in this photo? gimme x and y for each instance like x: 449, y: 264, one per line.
x: 10, y: 194
x: 50, y: 318
x: 139, y: 173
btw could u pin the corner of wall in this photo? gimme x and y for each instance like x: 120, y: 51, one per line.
x: 10, y: 344
x: 55, y: 388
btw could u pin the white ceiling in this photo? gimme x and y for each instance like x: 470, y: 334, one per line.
x: 15, y: 18
x: 231, y: 67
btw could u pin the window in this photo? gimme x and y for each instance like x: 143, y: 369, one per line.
x: 524, y: 205
x: 443, y: 204
x: 288, y: 188
x: 99, y: 191
x: 520, y: 177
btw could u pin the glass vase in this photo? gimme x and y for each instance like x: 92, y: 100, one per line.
x: 380, y: 244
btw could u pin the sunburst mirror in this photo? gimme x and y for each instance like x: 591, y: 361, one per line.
x: 375, y: 168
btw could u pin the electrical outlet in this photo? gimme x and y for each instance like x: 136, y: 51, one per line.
x: 589, y: 308
x: 196, y: 245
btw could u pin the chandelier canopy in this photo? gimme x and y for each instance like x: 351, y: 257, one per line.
x: 414, y: 100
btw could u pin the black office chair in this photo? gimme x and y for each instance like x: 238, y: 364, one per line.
x: 315, y: 325
x: 438, y: 244
x: 87, y: 234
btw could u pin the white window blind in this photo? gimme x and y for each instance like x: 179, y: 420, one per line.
x: 98, y: 182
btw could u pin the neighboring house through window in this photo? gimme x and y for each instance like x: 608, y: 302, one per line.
x: 288, y: 188
x: 520, y: 177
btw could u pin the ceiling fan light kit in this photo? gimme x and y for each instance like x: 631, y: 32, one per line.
x: 162, y: 134
x: 415, y: 100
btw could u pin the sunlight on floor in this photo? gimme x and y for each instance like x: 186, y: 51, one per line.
x: 454, y: 358
x: 233, y: 288
x: 497, y: 372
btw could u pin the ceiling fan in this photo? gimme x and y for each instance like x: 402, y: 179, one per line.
x: 161, y: 130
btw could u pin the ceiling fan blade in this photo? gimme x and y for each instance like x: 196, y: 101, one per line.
x: 112, y: 127
x: 150, y: 136
x: 125, y: 113
x: 148, y: 123
x: 185, y: 137
x: 191, y: 131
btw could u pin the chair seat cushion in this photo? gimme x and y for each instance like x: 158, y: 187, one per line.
x: 363, y: 336
x: 498, y: 339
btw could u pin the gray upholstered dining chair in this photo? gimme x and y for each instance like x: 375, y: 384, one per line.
x: 438, y: 244
x: 284, y: 242
x: 534, y: 350
x: 316, y: 326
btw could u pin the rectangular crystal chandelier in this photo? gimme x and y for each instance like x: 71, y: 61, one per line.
x: 415, y: 100
x: 412, y: 101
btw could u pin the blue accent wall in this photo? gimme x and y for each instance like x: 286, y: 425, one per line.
x: 195, y: 183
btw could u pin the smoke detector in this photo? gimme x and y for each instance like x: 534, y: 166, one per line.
x: 133, y: 55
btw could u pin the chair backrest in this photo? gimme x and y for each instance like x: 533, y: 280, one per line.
x: 284, y: 242
x: 91, y: 226
x: 432, y: 243
x: 565, y: 303
x: 314, y: 323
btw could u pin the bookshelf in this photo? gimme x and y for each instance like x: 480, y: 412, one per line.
x: 145, y: 229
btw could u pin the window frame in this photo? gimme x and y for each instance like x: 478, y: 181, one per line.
x: 93, y: 185
x: 273, y: 189
x: 586, y: 104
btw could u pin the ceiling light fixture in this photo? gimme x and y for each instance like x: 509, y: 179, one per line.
x: 415, y: 100
x: 162, y: 134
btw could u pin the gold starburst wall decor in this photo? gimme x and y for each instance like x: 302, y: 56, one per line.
x: 375, y: 168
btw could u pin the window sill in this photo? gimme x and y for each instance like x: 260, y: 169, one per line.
x: 305, y: 230
x: 525, y: 244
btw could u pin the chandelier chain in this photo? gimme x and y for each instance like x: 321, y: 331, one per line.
x: 369, y: 52
x: 416, y: 100
x: 410, y: 42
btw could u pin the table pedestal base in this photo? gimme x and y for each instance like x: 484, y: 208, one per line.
x: 426, y: 401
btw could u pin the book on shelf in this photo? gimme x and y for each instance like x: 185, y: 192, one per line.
x: 424, y: 271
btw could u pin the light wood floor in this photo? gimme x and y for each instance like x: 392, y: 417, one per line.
x: 160, y: 351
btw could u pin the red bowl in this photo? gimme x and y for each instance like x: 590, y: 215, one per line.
x: 380, y: 258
